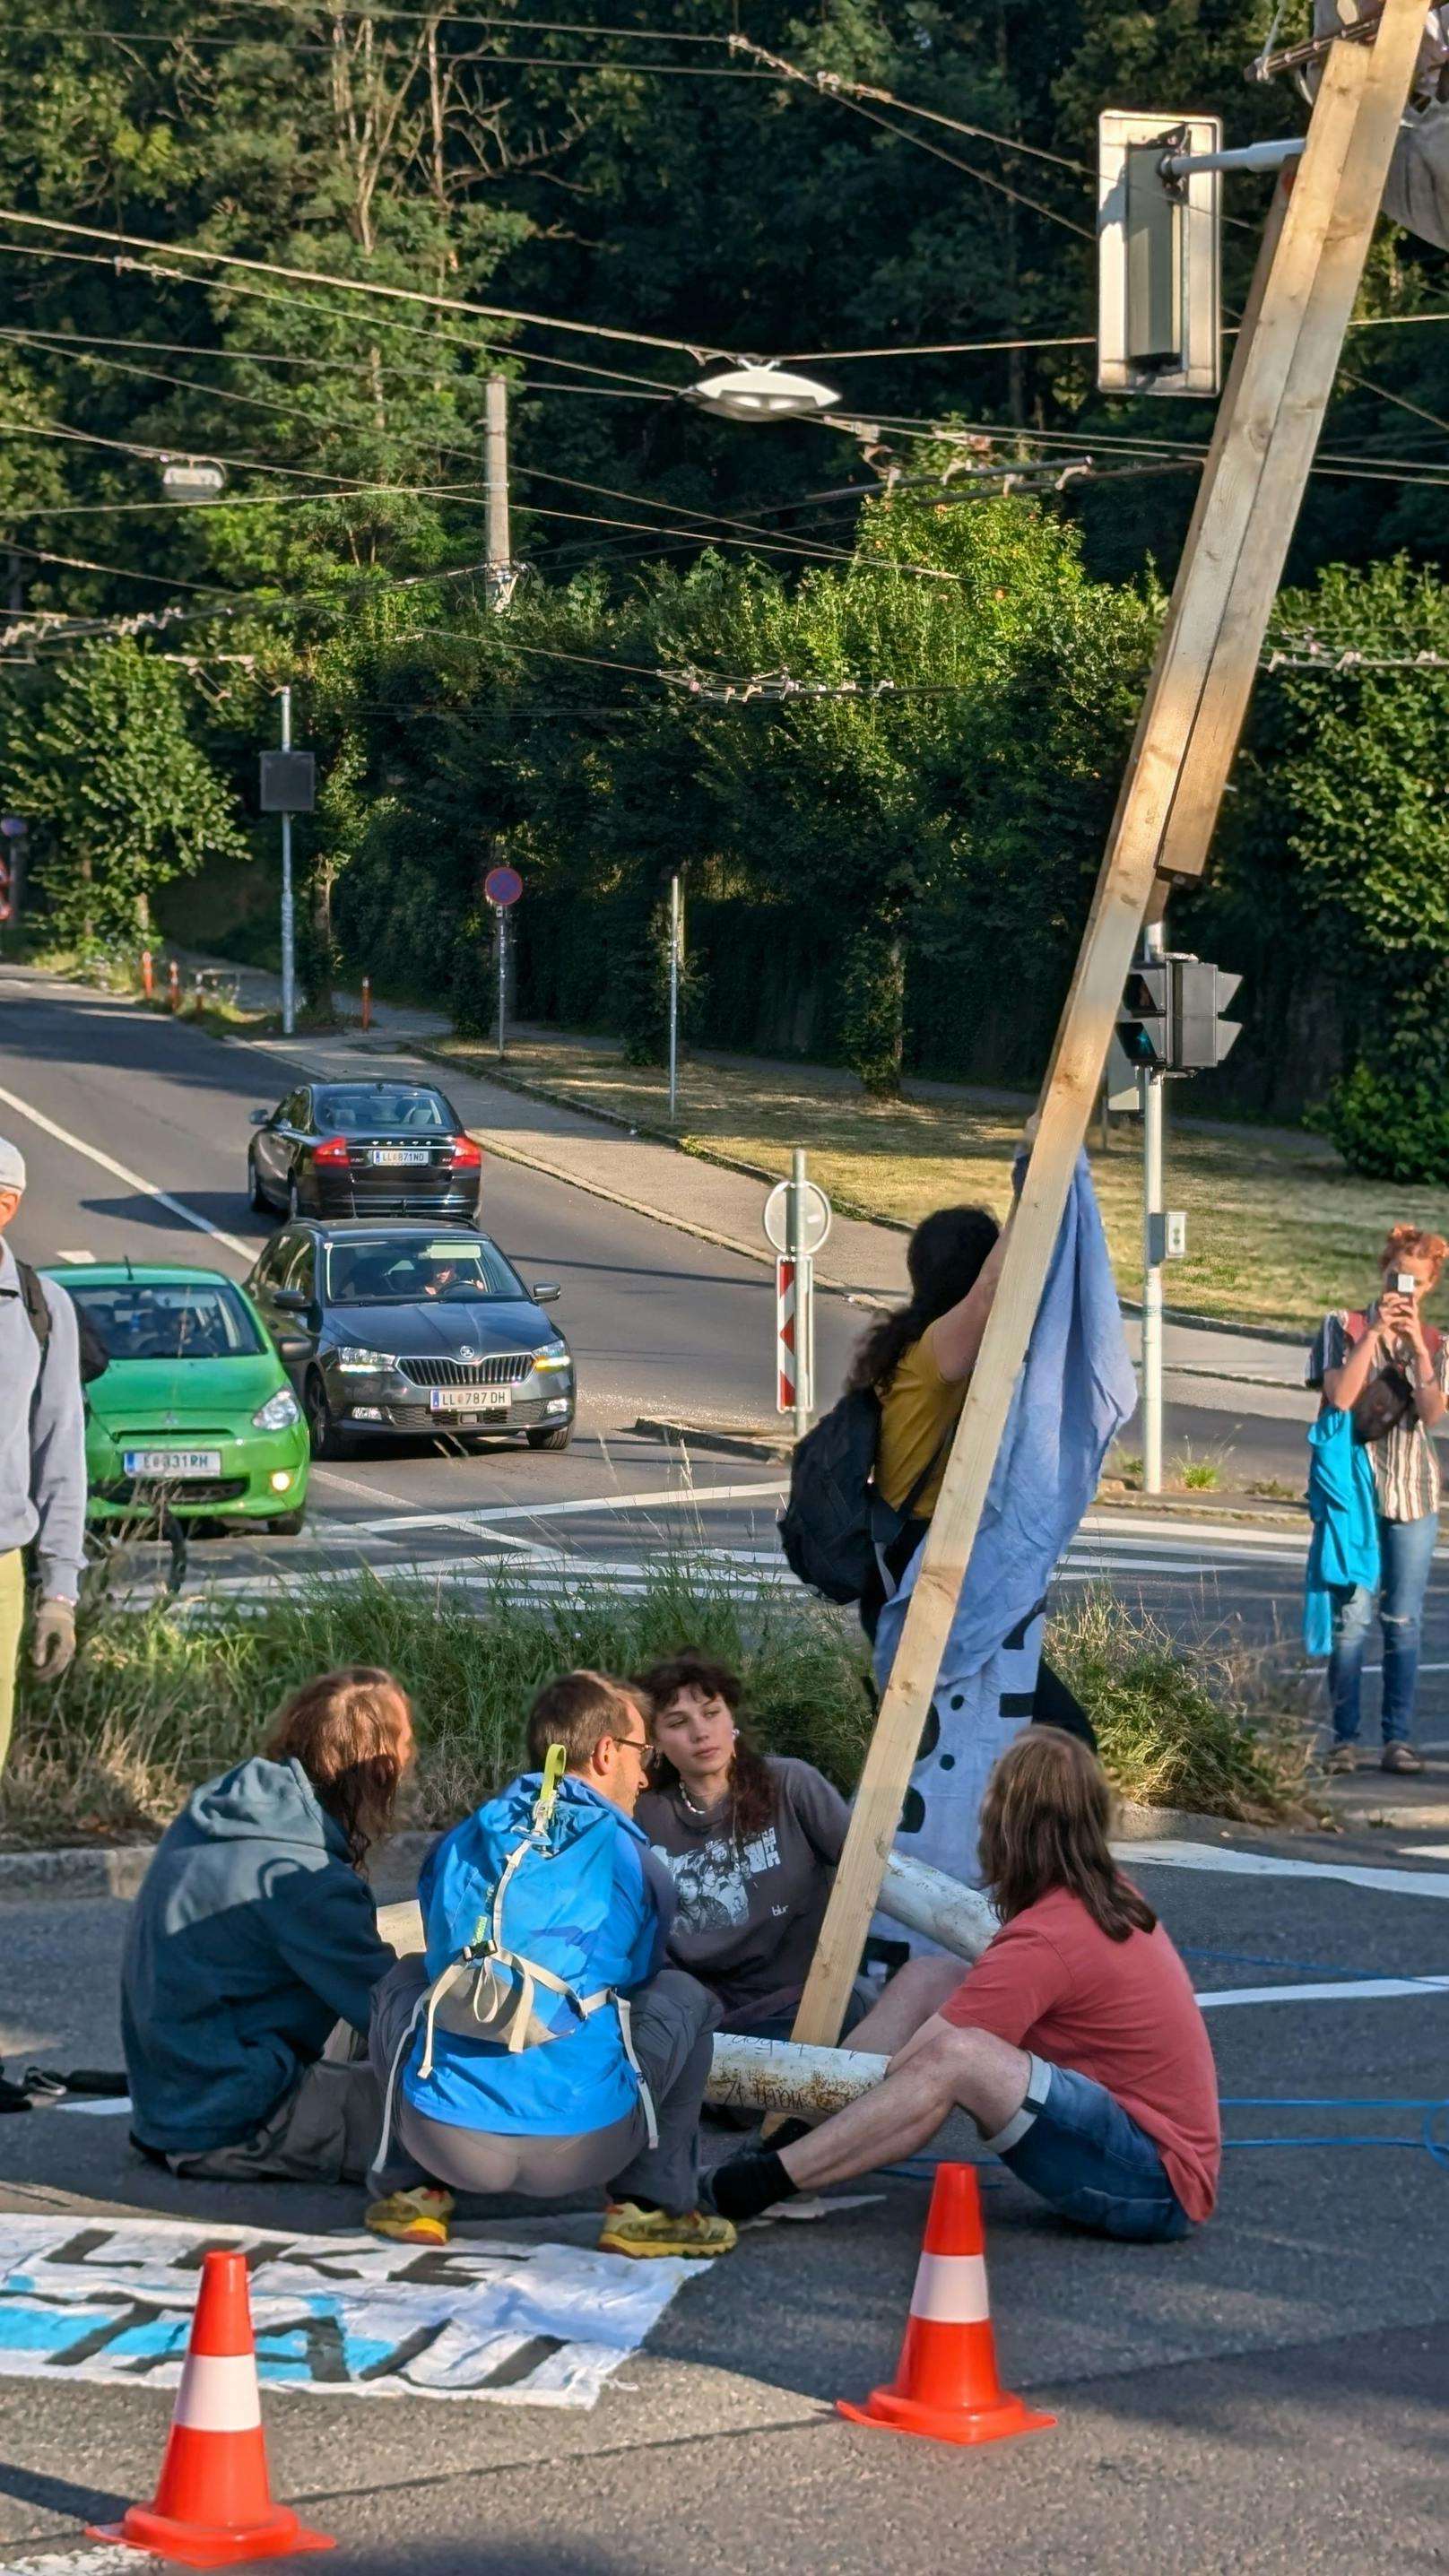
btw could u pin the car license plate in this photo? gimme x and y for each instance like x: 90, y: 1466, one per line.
x: 171, y: 1466
x: 468, y: 1399
x: 393, y: 1154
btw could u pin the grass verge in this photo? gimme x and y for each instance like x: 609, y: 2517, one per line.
x: 158, y: 1701
x: 1277, y: 1231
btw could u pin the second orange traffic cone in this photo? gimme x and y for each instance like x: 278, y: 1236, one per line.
x: 945, y: 2384
x: 213, y: 2503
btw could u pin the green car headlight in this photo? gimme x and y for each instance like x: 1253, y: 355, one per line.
x: 278, y: 1413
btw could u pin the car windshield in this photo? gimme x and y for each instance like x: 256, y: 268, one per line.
x: 367, y: 1108
x: 386, y: 1270
x: 176, y: 1320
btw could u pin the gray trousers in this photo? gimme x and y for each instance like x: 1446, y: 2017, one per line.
x: 672, y: 2019
x: 326, y: 2130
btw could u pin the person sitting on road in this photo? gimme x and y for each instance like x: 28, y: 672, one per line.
x: 542, y: 2046
x: 254, y: 1936
x: 751, y: 1841
x: 1075, y: 2043
x: 1390, y: 1371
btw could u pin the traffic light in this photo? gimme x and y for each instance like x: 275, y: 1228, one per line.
x: 1169, y: 1021
x: 1144, y: 1023
x: 1199, y: 1037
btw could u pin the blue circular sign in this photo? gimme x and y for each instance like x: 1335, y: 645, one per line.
x: 503, y: 885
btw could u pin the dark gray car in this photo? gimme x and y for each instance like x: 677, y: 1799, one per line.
x: 411, y: 1329
x: 366, y: 1149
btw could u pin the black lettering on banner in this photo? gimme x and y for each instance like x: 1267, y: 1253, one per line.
x: 389, y: 2363
x: 323, y: 2354
x: 520, y: 2365
x: 109, y: 2330
x: 79, y: 2249
x: 1016, y: 1704
x: 331, y: 2268
x: 451, y: 2268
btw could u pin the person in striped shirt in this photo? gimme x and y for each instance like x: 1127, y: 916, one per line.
x: 1389, y: 1369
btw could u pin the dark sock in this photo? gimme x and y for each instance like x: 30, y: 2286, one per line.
x: 749, y: 2184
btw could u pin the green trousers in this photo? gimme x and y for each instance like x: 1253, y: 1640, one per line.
x: 12, y: 1613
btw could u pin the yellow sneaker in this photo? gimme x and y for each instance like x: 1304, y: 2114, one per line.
x: 417, y: 2217
x: 627, y: 2229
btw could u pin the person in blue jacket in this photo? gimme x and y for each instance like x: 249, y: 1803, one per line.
x: 255, y: 1937
x: 542, y: 2046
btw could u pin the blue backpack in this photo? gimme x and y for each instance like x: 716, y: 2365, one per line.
x: 517, y: 1899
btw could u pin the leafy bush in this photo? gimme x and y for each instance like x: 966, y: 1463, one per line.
x: 1390, y: 1129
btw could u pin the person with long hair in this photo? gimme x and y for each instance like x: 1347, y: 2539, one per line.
x: 1075, y: 2043
x: 750, y: 1840
x: 1390, y: 1371
x: 253, y: 1948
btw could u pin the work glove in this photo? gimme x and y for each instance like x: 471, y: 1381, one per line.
x: 53, y: 1644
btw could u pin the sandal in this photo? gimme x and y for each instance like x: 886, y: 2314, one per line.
x: 1401, y: 1758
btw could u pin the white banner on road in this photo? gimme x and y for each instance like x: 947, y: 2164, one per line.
x: 344, y: 2315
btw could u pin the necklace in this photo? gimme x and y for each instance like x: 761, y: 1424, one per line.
x: 693, y: 1809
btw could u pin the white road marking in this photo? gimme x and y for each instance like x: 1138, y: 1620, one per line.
x: 133, y: 1181
x: 672, y: 1498
x: 74, y: 2562
x: 1383, y: 1882
x: 79, y: 1259
x: 1427, y: 1851
x: 1350, y: 1990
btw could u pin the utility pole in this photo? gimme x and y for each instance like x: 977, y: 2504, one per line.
x: 804, y: 1268
x: 1150, y: 1088
x: 499, y: 577
x: 1253, y: 482
x: 676, y: 931
x: 289, y: 918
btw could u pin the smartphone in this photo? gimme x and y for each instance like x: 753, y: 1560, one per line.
x: 1403, y: 1283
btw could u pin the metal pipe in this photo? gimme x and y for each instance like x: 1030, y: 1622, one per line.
x: 674, y: 930
x: 289, y: 917
x: 925, y: 1900
x: 799, y: 1254
x: 1246, y: 156
x: 495, y: 488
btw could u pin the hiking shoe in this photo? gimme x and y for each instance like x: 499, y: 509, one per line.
x: 1344, y: 1757
x: 1400, y: 1757
x: 412, y: 2217
x: 627, y: 2229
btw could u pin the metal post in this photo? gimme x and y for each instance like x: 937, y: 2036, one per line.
x: 289, y: 921
x: 674, y: 936
x: 495, y: 486
x: 500, y: 915
x: 1152, y: 1233
x: 800, y: 1255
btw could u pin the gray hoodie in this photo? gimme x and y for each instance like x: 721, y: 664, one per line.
x: 42, y: 1434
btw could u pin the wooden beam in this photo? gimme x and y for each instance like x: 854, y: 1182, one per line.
x: 1253, y: 485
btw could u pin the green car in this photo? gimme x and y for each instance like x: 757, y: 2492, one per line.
x: 193, y: 1412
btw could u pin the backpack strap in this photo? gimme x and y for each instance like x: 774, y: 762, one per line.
x: 36, y: 1306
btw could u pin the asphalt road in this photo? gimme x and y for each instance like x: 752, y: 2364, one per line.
x: 1266, y: 2397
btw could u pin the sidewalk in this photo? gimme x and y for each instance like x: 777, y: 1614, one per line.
x: 1215, y: 1370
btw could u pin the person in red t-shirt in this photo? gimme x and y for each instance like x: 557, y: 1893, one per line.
x: 1075, y: 2043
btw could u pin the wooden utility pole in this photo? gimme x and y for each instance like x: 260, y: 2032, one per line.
x: 1253, y: 483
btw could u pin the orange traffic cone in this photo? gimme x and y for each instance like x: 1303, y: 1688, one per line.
x: 213, y: 2503
x: 945, y: 2384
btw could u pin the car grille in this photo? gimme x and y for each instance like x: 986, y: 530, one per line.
x: 508, y: 1368
x: 148, y: 1490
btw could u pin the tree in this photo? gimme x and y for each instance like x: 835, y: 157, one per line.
x: 108, y: 760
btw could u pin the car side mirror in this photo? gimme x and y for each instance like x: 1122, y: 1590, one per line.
x: 546, y: 1292
x: 292, y: 1301
x: 291, y: 1347
x: 258, y: 1117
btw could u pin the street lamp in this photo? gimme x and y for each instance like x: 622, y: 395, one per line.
x: 763, y: 393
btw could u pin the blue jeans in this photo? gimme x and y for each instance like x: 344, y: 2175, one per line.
x: 1072, y: 2142
x: 1407, y: 1551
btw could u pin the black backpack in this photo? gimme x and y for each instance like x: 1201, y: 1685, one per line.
x: 834, y: 1520
x: 94, y: 1357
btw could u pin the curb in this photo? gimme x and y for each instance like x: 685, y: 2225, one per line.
x: 700, y: 1435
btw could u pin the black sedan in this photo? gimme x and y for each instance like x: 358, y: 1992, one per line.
x: 412, y: 1330
x: 370, y: 1149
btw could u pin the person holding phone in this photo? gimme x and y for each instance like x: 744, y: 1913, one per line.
x: 1390, y: 1371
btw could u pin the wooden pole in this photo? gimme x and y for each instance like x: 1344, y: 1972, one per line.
x: 1253, y: 484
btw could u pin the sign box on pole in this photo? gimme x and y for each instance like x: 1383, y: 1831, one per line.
x: 289, y: 782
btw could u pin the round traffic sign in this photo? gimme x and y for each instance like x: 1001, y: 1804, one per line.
x: 815, y: 1217
x: 503, y: 885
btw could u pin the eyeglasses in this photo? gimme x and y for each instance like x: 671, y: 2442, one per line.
x: 640, y: 1744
